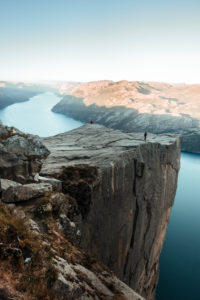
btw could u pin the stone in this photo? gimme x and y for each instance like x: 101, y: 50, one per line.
x: 65, y: 289
x: 124, y: 188
x: 79, y: 283
x: 124, y: 290
x: 19, y: 213
x: 5, y: 184
x: 95, y: 281
x: 68, y: 227
x: 25, y: 192
x: 32, y: 226
x: 29, y: 146
x: 20, y: 155
x: 56, y: 184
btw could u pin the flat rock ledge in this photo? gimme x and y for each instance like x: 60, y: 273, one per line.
x: 26, y: 192
x: 124, y: 188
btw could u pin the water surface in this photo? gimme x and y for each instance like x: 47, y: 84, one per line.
x: 180, y: 258
x: 35, y: 116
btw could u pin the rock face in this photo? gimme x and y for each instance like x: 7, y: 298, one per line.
x: 25, y: 192
x: 40, y: 229
x: 99, y: 284
x: 20, y: 155
x: 124, y: 188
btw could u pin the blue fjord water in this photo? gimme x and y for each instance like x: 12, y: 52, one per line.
x: 180, y: 258
x: 35, y: 116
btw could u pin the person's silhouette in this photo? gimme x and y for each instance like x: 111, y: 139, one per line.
x: 145, y: 135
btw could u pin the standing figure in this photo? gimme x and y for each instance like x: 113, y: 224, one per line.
x: 91, y: 122
x: 145, y: 135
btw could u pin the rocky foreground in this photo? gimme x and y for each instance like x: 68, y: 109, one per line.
x: 84, y: 213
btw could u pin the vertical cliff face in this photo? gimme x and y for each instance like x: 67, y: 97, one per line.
x: 125, y: 189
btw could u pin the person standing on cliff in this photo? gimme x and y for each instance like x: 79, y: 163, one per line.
x: 145, y: 136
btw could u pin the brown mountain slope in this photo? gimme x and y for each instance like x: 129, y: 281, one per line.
x: 151, y: 97
x: 137, y: 107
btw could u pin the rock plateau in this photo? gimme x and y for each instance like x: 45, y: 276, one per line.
x: 84, y: 214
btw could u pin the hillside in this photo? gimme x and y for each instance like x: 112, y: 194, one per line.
x: 151, y: 98
x: 13, y: 92
x: 138, y: 106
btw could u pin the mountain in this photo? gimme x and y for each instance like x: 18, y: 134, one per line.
x: 13, y: 92
x: 138, y: 106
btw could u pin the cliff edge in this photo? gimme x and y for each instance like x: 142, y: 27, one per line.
x: 40, y: 254
x: 124, y: 188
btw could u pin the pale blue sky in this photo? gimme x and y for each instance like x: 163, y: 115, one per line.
x: 85, y: 40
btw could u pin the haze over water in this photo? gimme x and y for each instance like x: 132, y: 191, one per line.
x: 35, y: 116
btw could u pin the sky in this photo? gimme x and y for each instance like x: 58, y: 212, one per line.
x: 86, y: 40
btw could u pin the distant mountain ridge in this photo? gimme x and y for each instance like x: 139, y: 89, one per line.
x: 12, y: 92
x: 146, y: 97
x: 138, y: 106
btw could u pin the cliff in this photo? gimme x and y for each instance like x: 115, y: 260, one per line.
x: 84, y: 214
x: 40, y: 254
x: 124, y: 188
x: 136, y: 107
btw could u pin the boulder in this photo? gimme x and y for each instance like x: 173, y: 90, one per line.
x: 20, y: 155
x: 26, y: 146
x: 76, y: 282
x: 25, y: 192
x: 6, y: 183
x: 56, y: 184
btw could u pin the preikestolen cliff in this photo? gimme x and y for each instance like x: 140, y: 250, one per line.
x: 99, y: 150
x: 84, y: 213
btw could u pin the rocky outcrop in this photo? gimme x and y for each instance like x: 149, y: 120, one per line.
x: 124, y: 189
x: 40, y: 230
x: 25, y: 192
x: 5, y: 184
x: 20, y: 155
x: 86, y: 285
x: 38, y: 258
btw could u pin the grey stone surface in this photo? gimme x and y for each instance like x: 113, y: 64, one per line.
x: 95, y: 281
x: 6, y: 183
x: 20, y: 155
x: 76, y: 282
x: 125, y: 188
x: 25, y: 192
x: 56, y: 184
